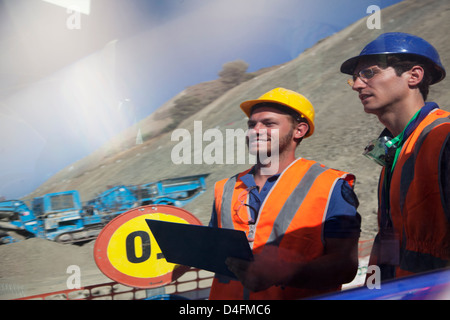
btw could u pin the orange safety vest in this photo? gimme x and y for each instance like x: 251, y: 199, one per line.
x: 291, y: 217
x: 417, y: 211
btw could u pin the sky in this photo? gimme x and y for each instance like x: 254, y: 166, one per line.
x: 70, y: 81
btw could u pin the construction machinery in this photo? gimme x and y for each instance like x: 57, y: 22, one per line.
x: 62, y: 217
x: 55, y: 216
x: 174, y: 191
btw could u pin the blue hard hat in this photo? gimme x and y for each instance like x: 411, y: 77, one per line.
x: 400, y: 43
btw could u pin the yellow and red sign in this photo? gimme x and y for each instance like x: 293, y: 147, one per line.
x: 127, y: 252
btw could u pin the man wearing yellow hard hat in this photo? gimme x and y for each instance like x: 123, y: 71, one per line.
x: 300, y: 220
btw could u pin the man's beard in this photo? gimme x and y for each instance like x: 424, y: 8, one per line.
x: 269, y: 157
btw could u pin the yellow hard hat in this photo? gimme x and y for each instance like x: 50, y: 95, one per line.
x: 288, y: 98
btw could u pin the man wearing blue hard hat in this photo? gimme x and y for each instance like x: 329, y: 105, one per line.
x: 392, y: 75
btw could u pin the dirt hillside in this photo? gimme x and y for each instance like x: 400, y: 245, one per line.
x: 342, y: 131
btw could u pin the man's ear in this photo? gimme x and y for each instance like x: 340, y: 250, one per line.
x: 301, y: 130
x: 416, y: 75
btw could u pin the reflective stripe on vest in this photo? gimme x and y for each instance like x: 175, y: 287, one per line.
x: 281, y: 215
x: 293, y: 203
x: 407, y: 174
x: 289, y: 209
x: 227, y: 203
x: 420, y: 252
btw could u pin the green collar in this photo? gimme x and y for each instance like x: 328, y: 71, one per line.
x: 398, y: 141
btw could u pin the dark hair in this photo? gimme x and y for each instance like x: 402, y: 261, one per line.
x: 405, y: 62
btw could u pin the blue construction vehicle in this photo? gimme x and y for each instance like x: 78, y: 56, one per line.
x: 117, y: 198
x: 55, y: 216
x: 62, y: 217
x: 176, y: 191
x: 16, y: 218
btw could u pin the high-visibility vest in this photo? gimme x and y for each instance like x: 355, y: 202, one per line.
x: 290, y: 217
x: 419, y: 218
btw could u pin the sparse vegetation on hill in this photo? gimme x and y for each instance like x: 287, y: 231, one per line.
x: 198, y: 97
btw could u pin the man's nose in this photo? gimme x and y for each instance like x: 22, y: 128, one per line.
x: 257, y: 127
x: 358, y: 84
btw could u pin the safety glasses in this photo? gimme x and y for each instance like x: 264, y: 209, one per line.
x: 241, y: 205
x: 364, y: 75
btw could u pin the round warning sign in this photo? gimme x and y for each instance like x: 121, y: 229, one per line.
x: 126, y: 251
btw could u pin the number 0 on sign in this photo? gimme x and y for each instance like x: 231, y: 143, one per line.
x: 126, y: 251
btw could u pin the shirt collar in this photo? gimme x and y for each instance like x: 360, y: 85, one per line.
x: 249, y: 180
